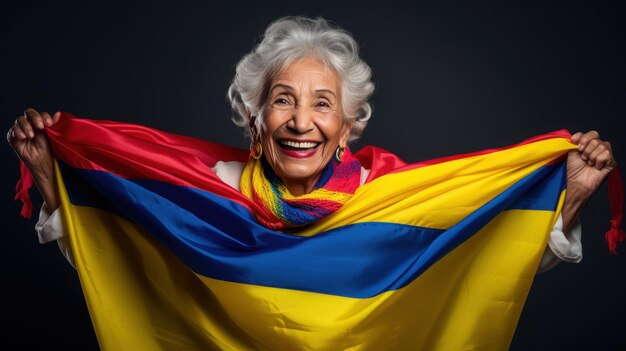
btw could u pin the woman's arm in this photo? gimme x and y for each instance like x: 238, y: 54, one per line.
x: 29, y: 141
x: 587, y: 168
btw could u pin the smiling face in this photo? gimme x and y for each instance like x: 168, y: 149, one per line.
x: 303, y: 123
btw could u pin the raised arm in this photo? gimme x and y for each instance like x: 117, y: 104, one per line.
x: 28, y: 138
x: 587, y: 168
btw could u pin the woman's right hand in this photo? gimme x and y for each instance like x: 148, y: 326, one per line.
x: 28, y: 138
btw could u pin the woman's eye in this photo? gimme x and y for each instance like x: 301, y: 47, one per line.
x: 323, y: 104
x: 281, y: 101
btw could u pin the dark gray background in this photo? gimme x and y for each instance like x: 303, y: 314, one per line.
x: 451, y: 77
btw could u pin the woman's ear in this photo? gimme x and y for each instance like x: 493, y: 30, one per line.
x: 345, y: 134
x: 252, y: 126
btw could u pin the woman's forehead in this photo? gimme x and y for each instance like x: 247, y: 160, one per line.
x: 307, y: 73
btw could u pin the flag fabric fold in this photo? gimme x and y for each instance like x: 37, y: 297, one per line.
x: 436, y: 255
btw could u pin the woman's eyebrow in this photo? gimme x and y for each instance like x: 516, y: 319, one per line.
x: 289, y: 88
x: 326, y: 91
x: 281, y: 85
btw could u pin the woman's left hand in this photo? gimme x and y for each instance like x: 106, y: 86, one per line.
x: 588, y: 166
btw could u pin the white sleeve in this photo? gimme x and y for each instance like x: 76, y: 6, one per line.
x: 562, y: 247
x: 50, y: 227
x: 229, y: 172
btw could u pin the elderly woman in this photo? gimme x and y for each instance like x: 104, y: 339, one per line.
x: 302, y: 95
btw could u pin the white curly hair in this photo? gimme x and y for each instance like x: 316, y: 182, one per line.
x: 290, y: 39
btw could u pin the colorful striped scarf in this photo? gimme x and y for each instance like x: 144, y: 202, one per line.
x: 281, y: 210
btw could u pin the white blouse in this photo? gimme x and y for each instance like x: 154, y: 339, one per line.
x: 561, y: 246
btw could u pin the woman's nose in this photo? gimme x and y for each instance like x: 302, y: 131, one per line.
x: 301, y: 121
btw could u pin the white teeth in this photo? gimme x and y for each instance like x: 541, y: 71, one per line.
x: 299, y: 145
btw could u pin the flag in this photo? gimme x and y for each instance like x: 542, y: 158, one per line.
x: 435, y: 255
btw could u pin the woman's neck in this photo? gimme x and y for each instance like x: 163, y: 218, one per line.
x: 301, y: 187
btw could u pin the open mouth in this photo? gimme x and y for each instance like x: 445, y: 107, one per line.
x: 298, y: 149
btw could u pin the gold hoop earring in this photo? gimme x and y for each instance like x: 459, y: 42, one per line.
x: 256, y: 150
x: 339, y: 153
